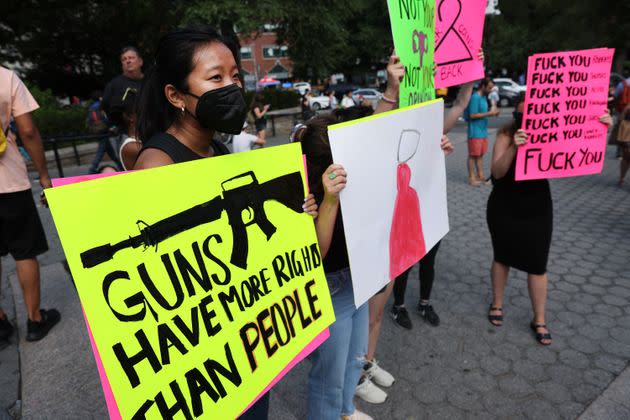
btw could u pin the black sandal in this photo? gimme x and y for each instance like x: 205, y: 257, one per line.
x: 495, y: 318
x: 541, y: 336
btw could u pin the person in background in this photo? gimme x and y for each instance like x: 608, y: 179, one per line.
x: 623, y: 140
x: 97, y: 123
x: 244, y: 141
x: 494, y: 98
x: 426, y: 274
x: 131, y: 146
x: 259, y: 111
x: 21, y: 232
x: 194, y: 90
x: 520, y: 220
x: 477, y: 116
x: 307, y: 112
x: 338, y: 362
x: 131, y: 77
x: 333, y: 99
x: 347, y: 101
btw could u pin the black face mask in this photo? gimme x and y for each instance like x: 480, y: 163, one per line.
x: 518, y: 118
x: 221, y: 109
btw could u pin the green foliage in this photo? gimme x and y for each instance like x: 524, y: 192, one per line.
x: 53, y: 120
x: 74, y: 46
x: 535, y: 26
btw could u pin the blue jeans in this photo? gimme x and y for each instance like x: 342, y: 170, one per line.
x: 338, y: 362
x: 105, y: 146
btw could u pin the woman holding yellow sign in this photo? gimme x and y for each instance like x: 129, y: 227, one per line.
x: 193, y: 90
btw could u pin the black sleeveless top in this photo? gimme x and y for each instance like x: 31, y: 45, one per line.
x: 177, y: 151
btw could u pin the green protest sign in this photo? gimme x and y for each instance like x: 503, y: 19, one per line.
x: 413, y: 30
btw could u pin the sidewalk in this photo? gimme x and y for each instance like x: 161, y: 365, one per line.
x: 463, y: 369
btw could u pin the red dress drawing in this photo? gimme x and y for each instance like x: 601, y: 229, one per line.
x: 406, y: 239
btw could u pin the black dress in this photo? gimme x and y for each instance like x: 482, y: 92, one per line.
x: 520, y: 219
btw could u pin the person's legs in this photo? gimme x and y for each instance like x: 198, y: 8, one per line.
x: 100, y: 152
x: 2, y: 314
x: 28, y: 275
x: 356, y: 358
x: 377, y: 306
x: 326, y: 378
x: 479, y: 164
x: 400, y: 286
x: 262, y: 134
x: 624, y: 164
x: 499, y: 281
x: 472, y: 178
x: 426, y: 270
x: 537, y: 286
x: 112, y: 153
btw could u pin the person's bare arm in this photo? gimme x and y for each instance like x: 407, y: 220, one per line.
x: 395, y: 74
x: 459, y: 106
x: 129, y: 154
x: 504, y: 152
x: 329, y: 207
x: 152, y: 158
x: 34, y: 147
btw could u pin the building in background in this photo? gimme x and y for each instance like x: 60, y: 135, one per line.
x: 262, y: 55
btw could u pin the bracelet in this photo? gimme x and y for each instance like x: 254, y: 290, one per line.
x: 388, y: 100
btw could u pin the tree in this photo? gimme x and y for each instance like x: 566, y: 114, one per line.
x: 73, y: 46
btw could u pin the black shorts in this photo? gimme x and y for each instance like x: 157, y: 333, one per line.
x: 21, y: 231
x: 260, y: 124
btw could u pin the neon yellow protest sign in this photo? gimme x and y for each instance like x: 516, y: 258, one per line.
x: 200, y: 281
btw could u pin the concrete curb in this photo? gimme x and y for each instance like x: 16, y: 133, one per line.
x: 614, y: 403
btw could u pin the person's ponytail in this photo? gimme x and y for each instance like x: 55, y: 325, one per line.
x: 154, y: 113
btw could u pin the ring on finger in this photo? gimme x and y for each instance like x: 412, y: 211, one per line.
x: 332, y: 176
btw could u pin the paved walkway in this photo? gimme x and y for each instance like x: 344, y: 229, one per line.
x: 464, y: 368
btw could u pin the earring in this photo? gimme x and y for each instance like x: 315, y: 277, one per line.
x: 183, y: 110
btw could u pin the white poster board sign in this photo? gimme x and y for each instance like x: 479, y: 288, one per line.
x: 394, y: 206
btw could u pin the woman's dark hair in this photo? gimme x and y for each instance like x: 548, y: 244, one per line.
x: 510, y: 129
x: 257, y: 101
x: 173, y: 63
x: 484, y: 82
x: 316, y: 146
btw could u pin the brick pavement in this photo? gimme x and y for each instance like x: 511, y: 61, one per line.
x: 466, y: 368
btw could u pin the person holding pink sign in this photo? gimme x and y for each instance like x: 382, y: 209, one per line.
x: 520, y: 220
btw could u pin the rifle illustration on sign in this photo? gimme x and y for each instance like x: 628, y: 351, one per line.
x: 244, y: 196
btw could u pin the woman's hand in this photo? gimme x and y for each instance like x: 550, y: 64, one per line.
x: 310, y: 206
x: 395, y: 74
x: 520, y: 138
x: 446, y: 145
x: 481, y: 56
x: 606, y: 119
x: 266, y: 108
x: 334, y: 180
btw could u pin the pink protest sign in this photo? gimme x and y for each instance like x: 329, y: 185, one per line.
x: 567, y: 92
x: 458, y: 34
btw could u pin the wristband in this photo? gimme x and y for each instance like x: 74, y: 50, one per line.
x: 388, y: 100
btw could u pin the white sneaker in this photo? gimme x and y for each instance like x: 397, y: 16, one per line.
x: 379, y: 375
x: 369, y: 392
x: 357, y: 415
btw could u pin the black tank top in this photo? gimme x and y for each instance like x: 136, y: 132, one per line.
x: 177, y: 151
